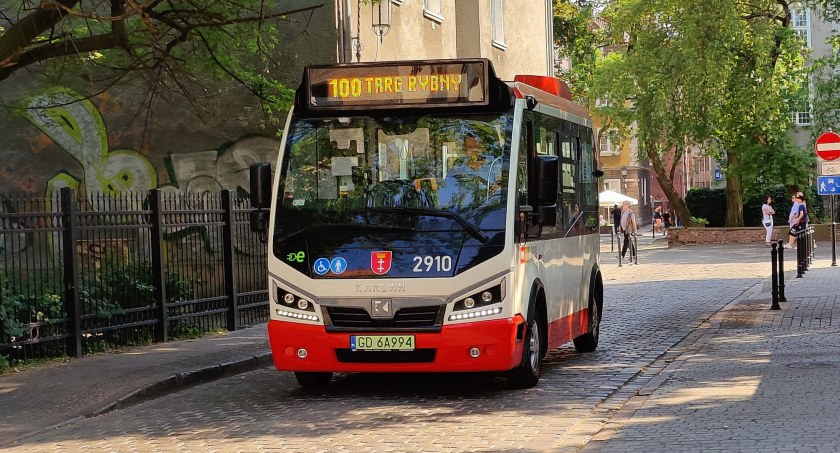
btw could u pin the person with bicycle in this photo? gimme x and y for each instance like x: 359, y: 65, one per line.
x: 628, y: 227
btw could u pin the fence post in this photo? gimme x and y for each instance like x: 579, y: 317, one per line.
x: 72, y: 304
x: 158, y: 271
x: 781, y: 250
x: 230, y: 259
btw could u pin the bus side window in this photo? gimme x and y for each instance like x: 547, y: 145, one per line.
x: 522, y: 180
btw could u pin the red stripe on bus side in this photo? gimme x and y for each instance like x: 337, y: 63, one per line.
x: 566, y: 329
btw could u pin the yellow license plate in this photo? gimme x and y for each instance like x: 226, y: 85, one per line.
x: 382, y: 342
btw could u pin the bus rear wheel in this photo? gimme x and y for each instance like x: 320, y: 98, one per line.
x: 310, y: 380
x: 527, y: 374
x: 588, y: 342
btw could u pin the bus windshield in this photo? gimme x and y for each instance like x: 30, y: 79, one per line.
x: 431, y: 173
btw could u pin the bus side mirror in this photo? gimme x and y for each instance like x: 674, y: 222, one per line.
x: 547, y: 215
x: 597, y: 172
x: 260, y: 186
x: 260, y: 175
x: 547, y: 174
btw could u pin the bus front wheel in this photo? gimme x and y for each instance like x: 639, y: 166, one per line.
x: 309, y: 380
x: 527, y: 374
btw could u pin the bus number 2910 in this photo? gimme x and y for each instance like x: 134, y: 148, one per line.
x: 432, y: 263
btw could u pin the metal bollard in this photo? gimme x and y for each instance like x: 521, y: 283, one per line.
x: 806, y: 253
x: 800, y: 265
x: 774, y: 277
x: 781, y: 250
x: 635, y: 249
x: 619, y: 239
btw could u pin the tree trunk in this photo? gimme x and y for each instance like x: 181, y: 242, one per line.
x: 734, y: 195
x: 678, y: 206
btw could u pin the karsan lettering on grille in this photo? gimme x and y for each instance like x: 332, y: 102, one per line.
x: 416, y: 219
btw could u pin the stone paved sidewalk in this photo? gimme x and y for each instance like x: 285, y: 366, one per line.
x: 758, y: 380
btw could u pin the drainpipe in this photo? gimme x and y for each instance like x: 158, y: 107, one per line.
x: 549, y: 26
x: 343, y: 26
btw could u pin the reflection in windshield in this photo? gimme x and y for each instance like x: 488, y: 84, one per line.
x: 336, y: 170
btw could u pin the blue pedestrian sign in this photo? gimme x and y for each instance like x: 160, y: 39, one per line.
x: 828, y: 185
x: 338, y: 265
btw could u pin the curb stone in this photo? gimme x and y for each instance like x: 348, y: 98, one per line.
x: 180, y: 381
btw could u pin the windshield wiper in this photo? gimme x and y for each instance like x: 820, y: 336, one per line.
x: 468, y: 226
x: 345, y: 226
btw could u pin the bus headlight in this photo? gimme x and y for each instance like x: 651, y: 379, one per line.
x: 482, y: 298
x: 289, y: 300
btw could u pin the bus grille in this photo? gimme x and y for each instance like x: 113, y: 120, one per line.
x: 405, y: 318
x: 416, y: 356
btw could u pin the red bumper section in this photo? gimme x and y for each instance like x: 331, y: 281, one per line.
x: 444, y: 351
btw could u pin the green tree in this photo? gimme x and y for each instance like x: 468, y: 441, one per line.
x: 825, y: 72
x: 175, y: 44
x: 712, y: 74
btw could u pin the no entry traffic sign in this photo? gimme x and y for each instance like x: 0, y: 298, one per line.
x: 828, y: 146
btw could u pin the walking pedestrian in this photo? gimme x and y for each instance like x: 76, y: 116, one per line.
x: 767, y: 219
x: 628, y: 227
x: 666, y: 221
x: 616, y: 218
x: 657, y: 219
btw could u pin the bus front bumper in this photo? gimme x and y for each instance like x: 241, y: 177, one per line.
x: 302, y: 347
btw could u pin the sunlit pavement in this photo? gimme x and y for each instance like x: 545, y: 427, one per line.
x: 690, y: 360
x: 756, y: 380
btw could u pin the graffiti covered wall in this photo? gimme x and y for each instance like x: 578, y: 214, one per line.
x: 52, y: 136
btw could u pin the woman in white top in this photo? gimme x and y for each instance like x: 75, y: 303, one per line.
x: 767, y: 218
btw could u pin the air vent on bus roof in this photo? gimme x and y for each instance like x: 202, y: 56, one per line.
x: 548, y: 84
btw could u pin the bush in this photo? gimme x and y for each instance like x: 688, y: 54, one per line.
x: 781, y: 204
x: 708, y: 204
x: 697, y: 221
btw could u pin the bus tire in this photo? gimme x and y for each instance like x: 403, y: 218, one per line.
x: 527, y: 374
x: 310, y: 380
x: 588, y: 342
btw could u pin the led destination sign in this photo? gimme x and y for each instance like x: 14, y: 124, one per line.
x: 382, y: 85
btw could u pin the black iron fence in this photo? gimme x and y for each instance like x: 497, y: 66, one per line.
x: 82, y: 274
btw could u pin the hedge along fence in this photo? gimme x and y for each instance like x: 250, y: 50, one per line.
x: 84, y: 274
x: 711, y: 205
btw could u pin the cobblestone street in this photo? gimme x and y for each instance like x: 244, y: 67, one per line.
x: 652, y: 310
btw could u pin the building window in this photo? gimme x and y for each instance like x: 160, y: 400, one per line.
x: 497, y: 23
x: 612, y: 184
x: 801, y: 118
x: 800, y: 114
x: 610, y: 143
x: 431, y: 9
x: 801, y: 24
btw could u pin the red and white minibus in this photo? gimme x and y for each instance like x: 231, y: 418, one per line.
x: 426, y: 216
